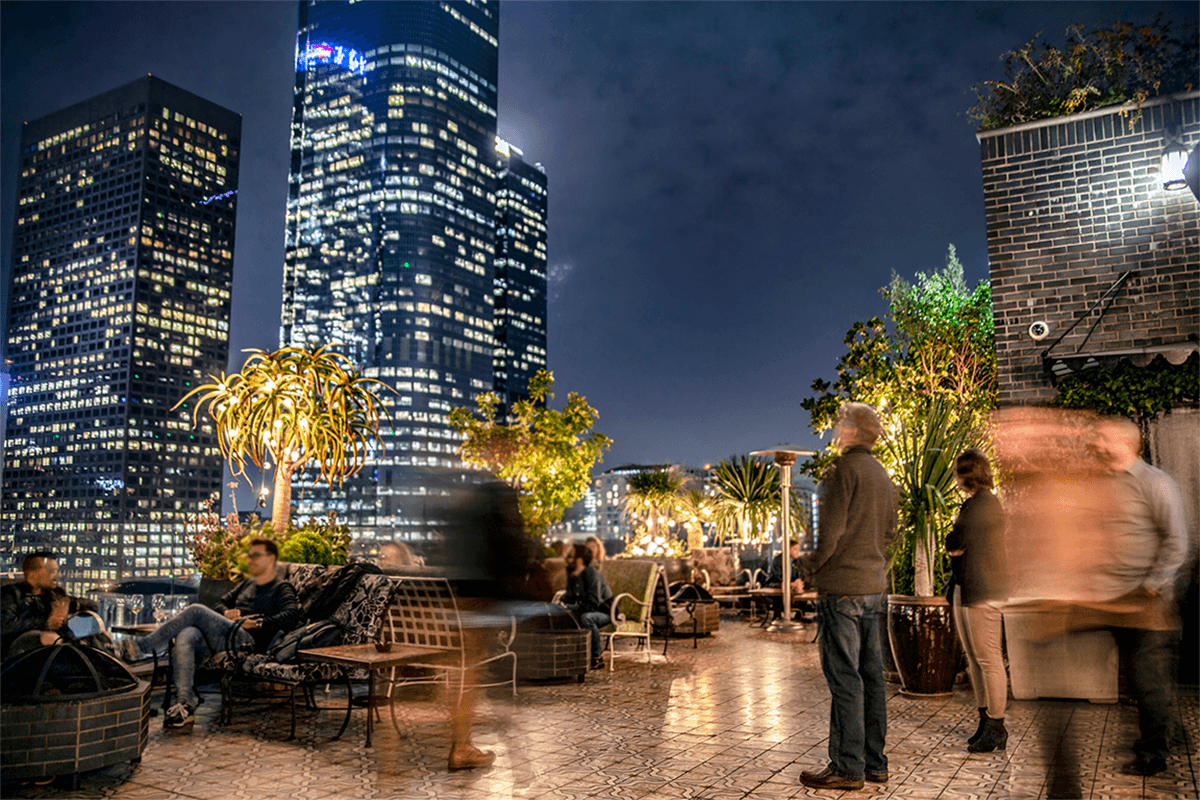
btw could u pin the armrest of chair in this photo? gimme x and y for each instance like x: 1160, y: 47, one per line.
x: 558, y: 596
x: 707, y: 579
x: 615, y: 615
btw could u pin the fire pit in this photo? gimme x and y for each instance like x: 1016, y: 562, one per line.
x: 68, y: 709
x: 551, y: 646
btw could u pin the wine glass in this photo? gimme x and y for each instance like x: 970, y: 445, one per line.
x: 159, y: 603
x: 136, y: 603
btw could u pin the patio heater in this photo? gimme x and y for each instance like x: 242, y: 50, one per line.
x: 785, y: 456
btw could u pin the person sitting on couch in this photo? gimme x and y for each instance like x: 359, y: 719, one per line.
x: 263, y: 604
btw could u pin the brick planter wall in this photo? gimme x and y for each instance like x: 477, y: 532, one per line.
x: 1071, y: 204
x: 70, y: 736
x: 549, y: 654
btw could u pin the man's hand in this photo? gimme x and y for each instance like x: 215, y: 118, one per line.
x: 250, y: 623
x: 797, y: 586
x: 233, y: 614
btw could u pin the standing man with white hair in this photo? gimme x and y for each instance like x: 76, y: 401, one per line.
x: 848, y: 569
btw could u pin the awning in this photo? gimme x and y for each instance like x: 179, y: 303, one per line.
x: 1058, y: 367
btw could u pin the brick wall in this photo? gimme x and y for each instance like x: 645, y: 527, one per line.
x: 1071, y: 204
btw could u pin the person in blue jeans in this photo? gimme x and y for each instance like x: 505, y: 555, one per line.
x: 262, y: 603
x: 588, y: 596
x: 858, y: 520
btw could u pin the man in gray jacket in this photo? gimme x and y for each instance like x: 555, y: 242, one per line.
x: 858, y: 520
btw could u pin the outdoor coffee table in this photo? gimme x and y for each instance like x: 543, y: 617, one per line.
x: 365, y: 656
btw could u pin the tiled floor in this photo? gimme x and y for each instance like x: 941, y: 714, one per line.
x: 739, y: 717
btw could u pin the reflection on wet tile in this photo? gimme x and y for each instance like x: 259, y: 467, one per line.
x: 739, y: 717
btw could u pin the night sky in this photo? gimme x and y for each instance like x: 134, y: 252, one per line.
x: 730, y: 183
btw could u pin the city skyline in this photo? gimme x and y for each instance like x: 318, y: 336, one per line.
x: 729, y: 193
x: 120, y: 305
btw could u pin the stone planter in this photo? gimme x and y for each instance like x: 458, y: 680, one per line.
x: 923, y: 644
x: 1082, y: 666
x: 212, y: 590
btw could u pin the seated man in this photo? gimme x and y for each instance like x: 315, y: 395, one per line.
x: 775, y: 576
x: 264, y: 605
x: 53, y: 627
x: 25, y: 605
x: 588, y: 597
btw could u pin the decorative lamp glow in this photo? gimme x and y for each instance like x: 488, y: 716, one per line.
x: 1174, y: 158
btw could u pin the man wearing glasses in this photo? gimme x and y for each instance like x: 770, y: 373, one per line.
x: 263, y: 605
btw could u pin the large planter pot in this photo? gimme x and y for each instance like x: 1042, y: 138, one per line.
x: 212, y: 590
x: 923, y: 644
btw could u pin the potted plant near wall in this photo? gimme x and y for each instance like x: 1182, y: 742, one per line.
x: 920, y: 628
x: 214, y: 544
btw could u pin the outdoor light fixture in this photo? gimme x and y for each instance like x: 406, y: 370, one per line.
x: 1174, y: 158
x: 785, y: 456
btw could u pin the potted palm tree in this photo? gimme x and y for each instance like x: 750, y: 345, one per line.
x: 650, y: 504
x: 923, y: 449
x: 747, y: 501
x: 295, y: 407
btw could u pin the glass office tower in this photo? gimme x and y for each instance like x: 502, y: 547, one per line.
x: 390, y: 244
x: 520, y: 292
x: 122, y: 269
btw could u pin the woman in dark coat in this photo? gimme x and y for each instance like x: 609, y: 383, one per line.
x: 979, y: 586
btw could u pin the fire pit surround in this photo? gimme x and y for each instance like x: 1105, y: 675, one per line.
x: 68, y: 709
x: 551, y: 646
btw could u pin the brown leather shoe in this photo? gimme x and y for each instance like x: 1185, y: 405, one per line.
x: 875, y: 777
x: 469, y: 757
x: 828, y: 779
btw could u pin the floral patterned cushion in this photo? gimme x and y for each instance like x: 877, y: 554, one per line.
x: 360, y: 615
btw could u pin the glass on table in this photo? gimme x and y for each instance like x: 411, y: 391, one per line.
x: 135, y: 604
x: 160, y: 610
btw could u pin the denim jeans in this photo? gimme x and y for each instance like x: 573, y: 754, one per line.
x: 851, y: 630
x: 594, y: 621
x: 197, y: 632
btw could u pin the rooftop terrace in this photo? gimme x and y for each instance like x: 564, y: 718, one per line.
x: 739, y: 717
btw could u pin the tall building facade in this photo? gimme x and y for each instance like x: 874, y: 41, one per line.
x: 390, y: 241
x: 520, y: 289
x: 122, y: 269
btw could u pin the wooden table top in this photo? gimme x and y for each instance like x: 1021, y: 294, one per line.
x: 145, y: 629
x: 365, y: 656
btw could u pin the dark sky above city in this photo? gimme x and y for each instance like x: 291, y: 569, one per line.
x: 730, y: 183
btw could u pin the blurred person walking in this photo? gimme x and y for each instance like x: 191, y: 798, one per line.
x: 1149, y: 544
x: 978, y: 586
x: 848, y: 569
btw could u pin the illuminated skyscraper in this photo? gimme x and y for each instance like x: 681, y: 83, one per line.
x: 390, y: 247
x: 122, y: 269
x: 520, y: 292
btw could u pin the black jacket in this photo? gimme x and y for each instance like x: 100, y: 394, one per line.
x: 982, y: 570
x: 275, y: 602
x: 21, y: 611
x: 588, y: 591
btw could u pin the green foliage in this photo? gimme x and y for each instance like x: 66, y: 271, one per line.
x: 544, y: 454
x: 294, y: 407
x: 748, y: 499
x: 306, y: 547
x: 924, y: 450
x: 651, y: 505
x: 1130, y: 391
x: 1123, y: 63
x: 932, y: 380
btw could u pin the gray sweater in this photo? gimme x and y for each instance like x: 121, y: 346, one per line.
x: 857, y: 521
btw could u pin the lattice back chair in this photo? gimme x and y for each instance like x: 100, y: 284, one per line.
x: 424, y: 613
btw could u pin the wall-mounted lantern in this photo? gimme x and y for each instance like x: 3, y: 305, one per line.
x: 1174, y: 158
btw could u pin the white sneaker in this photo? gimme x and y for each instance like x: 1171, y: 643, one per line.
x: 179, y: 715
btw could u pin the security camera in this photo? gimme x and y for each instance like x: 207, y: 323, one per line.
x: 1039, y: 330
